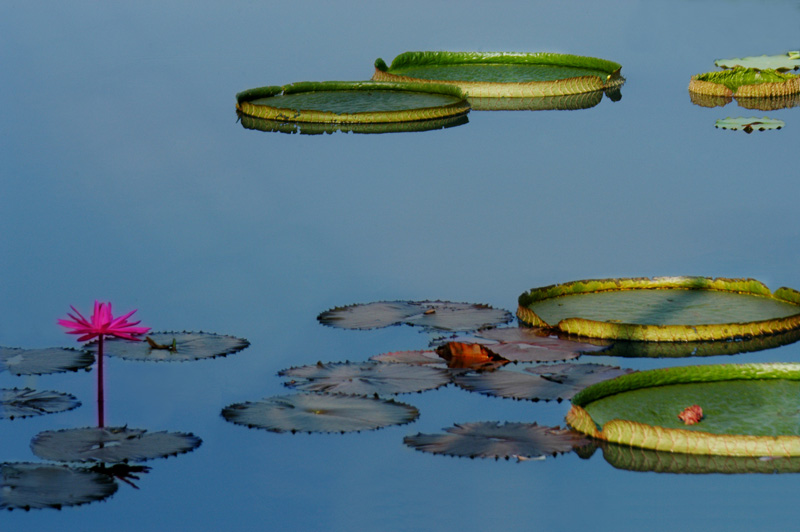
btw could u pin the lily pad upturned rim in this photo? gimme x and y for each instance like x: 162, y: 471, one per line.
x: 711, y: 84
x: 317, y: 128
x: 530, y: 89
x: 679, y: 440
x: 244, y: 105
x: 662, y: 333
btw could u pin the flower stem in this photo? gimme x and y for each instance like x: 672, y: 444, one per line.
x: 101, y: 401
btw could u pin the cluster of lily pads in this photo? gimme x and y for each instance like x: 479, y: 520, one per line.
x: 84, y: 464
x: 763, y: 82
x: 432, y: 90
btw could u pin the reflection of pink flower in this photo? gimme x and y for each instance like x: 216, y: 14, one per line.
x: 102, y: 323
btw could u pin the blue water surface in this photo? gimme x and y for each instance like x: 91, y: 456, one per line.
x: 125, y: 177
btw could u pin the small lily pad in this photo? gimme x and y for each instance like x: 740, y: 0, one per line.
x: 781, y: 62
x: 111, y: 444
x: 550, y: 382
x: 523, y: 441
x: 527, y: 344
x: 173, y: 346
x: 24, y: 402
x: 42, y: 361
x: 442, y: 315
x: 312, y: 412
x: 366, y: 378
x: 29, y: 486
x: 748, y: 125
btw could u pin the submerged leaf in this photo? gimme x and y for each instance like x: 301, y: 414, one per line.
x: 492, y: 440
x: 174, y: 346
x: 442, y: 315
x: 549, y: 382
x: 26, y: 402
x: 366, y: 378
x: 29, y: 486
x: 314, y: 412
x: 110, y: 444
x: 41, y: 361
x: 526, y: 344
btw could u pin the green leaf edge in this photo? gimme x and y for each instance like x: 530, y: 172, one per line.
x: 661, y: 333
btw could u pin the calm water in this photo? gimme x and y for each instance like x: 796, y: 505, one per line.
x: 126, y: 177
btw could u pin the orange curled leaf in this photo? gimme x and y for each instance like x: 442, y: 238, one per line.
x: 691, y: 415
x: 466, y: 355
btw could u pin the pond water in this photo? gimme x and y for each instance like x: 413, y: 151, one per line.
x: 126, y: 178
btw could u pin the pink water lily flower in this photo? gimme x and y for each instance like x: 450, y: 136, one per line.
x: 102, y: 323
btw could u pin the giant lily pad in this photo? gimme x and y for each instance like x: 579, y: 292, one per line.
x: 41, y: 361
x: 748, y: 125
x: 441, y: 315
x: 781, y: 63
x: 313, y: 412
x: 567, y: 102
x: 343, y: 102
x: 316, y: 128
x: 25, y: 402
x: 662, y: 309
x: 111, y: 444
x: 526, y: 344
x: 491, y: 439
x: 30, y: 486
x: 173, y: 346
x: 504, y: 74
x: 366, y: 378
x: 549, y: 382
x: 748, y: 410
x: 745, y: 82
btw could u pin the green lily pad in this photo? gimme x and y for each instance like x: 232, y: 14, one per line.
x: 25, y: 402
x: 360, y: 102
x: 29, y: 486
x: 366, y: 378
x: 522, y: 441
x: 745, y: 82
x: 173, y: 346
x: 748, y: 125
x: 662, y: 309
x: 440, y: 315
x: 526, y: 344
x: 312, y: 412
x: 781, y: 62
x: 567, y: 102
x: 42, y: 361
x: 111, y: 444
x: 547, y: 382
x: 504, y: 74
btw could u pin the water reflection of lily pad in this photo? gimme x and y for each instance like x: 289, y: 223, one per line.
x: 549, y: 382
x: 491, y: 439
x: 365, y: 378
x: 781, y: 62
x: 442, y: 315
x: 30, y: 486
x: 24, y: 402
x: 314, y: 128
x: 111, y: 444
x: 748, y: 125
x: 173, y: 346
x: 527, y: 344
x: 41, y: 361
x: 312, y: 412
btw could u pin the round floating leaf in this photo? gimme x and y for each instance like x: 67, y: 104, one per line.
x: 173, y: 346
x: 491, y: 439
x: 26, y: 402
x: 30, y: 486
x: 748, y: 125
x: 360, y: 102
x: 320, y: 413
x: 525, y: 344
x: 782, y: 62
x: 551, y: 382
x: 442, y: 315
x: 662, y: 309
x: 749, y: 409
x: 111, y: 444
x: 745, y: 82
x: 504, y: 74
x: 366, y: 378
x: 41, y: 361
